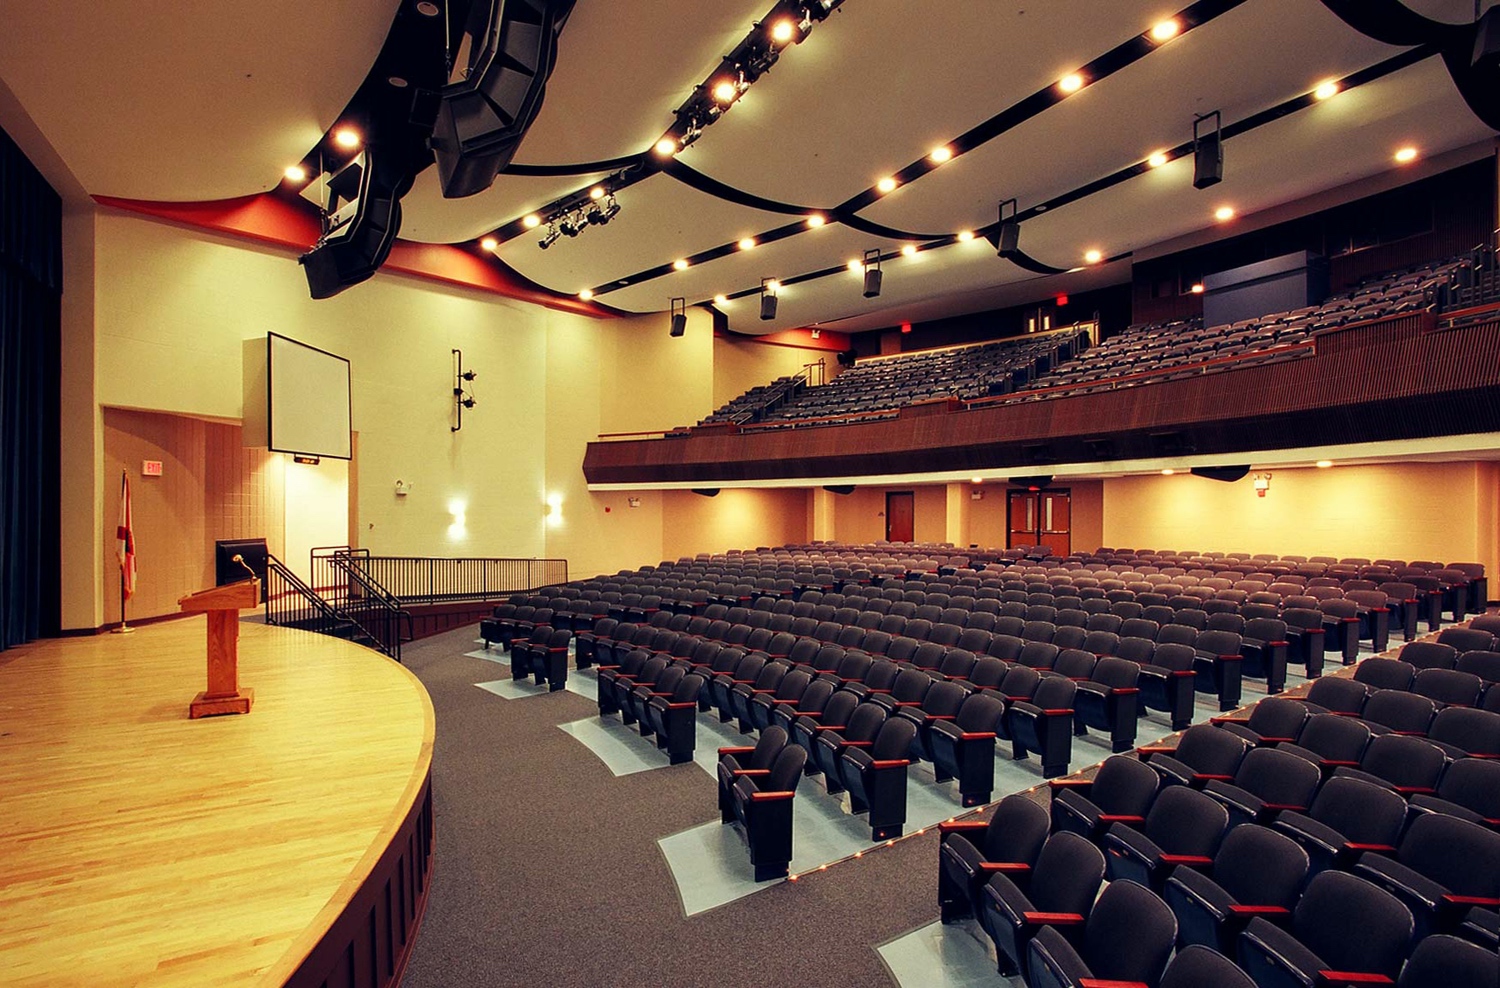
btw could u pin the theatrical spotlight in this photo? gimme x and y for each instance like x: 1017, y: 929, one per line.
x: 768, y: 287
x: 550, y: 238
x: 570, y: 225
x: 872, y: 272
x: 1208, y: 152
x: 608, y: 211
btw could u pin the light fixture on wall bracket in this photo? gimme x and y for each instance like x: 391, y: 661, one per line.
x: 462, y: 398
x: 872, y: 272
x: 1262, y: 484
x: 679, y: 315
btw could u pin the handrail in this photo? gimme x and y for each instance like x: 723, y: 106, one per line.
x: 377, y: 612
x: 407, y: 580
x: 292, y: 603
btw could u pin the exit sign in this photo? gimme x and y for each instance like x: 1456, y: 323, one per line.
x: 151, y: 468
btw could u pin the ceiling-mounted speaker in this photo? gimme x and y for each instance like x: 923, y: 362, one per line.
x: 1208, y: 152
x: 839, y: 488
x: 360, y: 221
x: 1008, y: 234
x: 512, y: 46
x: 679, y: 316
x: 1227, y: 474
x: 1031, y: 483
x: 706, y: 491
x: 768, y: 306
x: 872, y: 282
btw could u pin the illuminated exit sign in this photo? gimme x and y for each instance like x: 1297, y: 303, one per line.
x: 151, y: 468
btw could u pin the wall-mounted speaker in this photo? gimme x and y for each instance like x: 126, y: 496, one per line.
x: 1227, y: 474
x: 839, y: 488
x: 706, y: 491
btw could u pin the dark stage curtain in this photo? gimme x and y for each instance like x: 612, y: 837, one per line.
x: 30, y: 305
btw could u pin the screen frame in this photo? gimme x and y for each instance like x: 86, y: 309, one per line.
x: 271, y: 401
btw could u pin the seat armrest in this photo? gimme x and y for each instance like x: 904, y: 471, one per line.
x: 1199, y: 860
x: 1352, y: 978
x: 890, y: 763
x: 1487, y: 901
x: 1101, y: 983
x: 962, y: 826
x: 1376, y: 848
x: 976, y: 735
x: 759, y: 772
x: 740, y: 750
x: 1004, y: 867
x: 1054, y: 919
x: 1239, y: 910
x: 1121, y: 818
x: 762, y: 797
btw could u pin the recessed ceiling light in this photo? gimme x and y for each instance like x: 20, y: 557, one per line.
x: 747, y: 243
x: 396, y: 81
x: 585, y: 294
x: 909, y: 250
x: 296, y: 173
x: 597, y: 192
x: 783, y: 30
x: 1197, y: 289
x: 1407, y: 154
x: 816, y: 220
x: 772, y: 285
x: 1224, y: 213
x: 1165, y: 30
x: 531, y: 221
x: 1323, y: 464
x: 976, y: 480
x: 1326, y: 89
x: 680, y: 264
x: 1070, y: 83
x: 726, y: 91
x: 1157, y: 160
x: 1093, y: 256
x: 489, y: 243
x: 1168, y: 472
x: 855, y: 265
x: 346, y: 137
x: 941, y: 154
x: 427, y: 9
x: 964, y: 236
x: 887, y: 184
x: 666, y: 146
x: 721, y: 299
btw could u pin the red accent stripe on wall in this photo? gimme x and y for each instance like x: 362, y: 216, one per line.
x: 271, y: 219
x: 799, y: 338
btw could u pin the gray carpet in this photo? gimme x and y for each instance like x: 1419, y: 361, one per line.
x: 547, y: 869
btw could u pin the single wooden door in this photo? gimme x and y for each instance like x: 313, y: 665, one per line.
x: 900, y: 515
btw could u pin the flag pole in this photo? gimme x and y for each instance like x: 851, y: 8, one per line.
x: 128, y: 548
x: 123, y: 629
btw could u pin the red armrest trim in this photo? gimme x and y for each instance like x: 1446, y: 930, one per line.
x: 1356, y: 977
x: 1187, y: 859
x: 735, y: 751
x: 856, y: 744
x: 751, y: 771
x: 1381, y: 848
x: 1472, y: 900
x: 1069, y: 783
x: 1069, y: 919
x: 976, y: 735
x: 1005, y: 867
x: 1260, y: 910
x: 961, y: 826
x: 1099, y: 983
x: 1120, y: 818
x: 890, y: 763
x: 1058, y: 713
x: 761, y: 797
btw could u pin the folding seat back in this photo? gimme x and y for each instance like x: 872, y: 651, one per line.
x: 1177, y: 634
x: 902, y: 648
x: 1014, y: 834
x: 930, y: 613
x: 945, y: 635
x: 1462, y: 731
x: 1255, y: 867
x: 974, y: 640
x: 1407, y: 764
x: 957, y: 664
x: 1331, y: 740
x: 1430, y: 655
x: 1341, y: 923
x: 1385, y: 674
x: 1469, y: 789
x: 980, y: 620
x: 928, y: 656
x: 892, y: 624
x: 1120, y: 792
x: 1203, y: 753
x: 1128, y: 938
x: 1009, y: 625
x: 1398, y: 711
x: 987, y: 672
x: 1197, y: 966
x: 1442, y: 961
x: 1038, y: 655
x: 1020, y: 683
x: 1139, y: 628
x: 1482, y: 663
x: 1071, y: 617
x: 1226, y: 621
x: 1273, y: 720
x: 1038, y: 631
x: 1448, y: 687
x: 1005, y: 647
x: 1126, y: 609
x: 918, y: 628
x: 1160, y: 613
x: 876, y: 642
x: 1101, y: 643
x: 1064, y: 883
x: 1339, y: 696
x: 1467, y: 639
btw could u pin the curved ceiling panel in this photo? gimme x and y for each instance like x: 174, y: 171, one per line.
x: 1215, y: 67
x: 879, y: 84
x: 429, y: 218
x: 660, y: 220
x: 621, y: 71
x: 1413, y: 107
x: 191, y: 101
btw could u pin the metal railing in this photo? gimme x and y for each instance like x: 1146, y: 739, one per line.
x: 291, y: 603
x: 407, y: 580
x: 340, y: 578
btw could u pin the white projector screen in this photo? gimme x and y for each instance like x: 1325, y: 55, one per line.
x: 308, y: 399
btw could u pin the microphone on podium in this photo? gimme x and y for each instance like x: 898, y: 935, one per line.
x: 237, y: 558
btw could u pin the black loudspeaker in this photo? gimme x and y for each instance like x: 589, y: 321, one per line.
x: 706, y: 491
x: 513, y: 45
x: 1009, y: 239
x: 1032, y: 483
x: 679, y: 324
x: 360, y: 223
x: 1487, y: 42
x: 839, y: 488
x: 1227, y: 474
x: 1208, y: 161
x: 872, y: 282
x: 847, y: 357
x: 768, y: 306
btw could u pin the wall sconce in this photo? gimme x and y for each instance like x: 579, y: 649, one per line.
x: 1262, y: 484
x: 461, y: 398
x: 403, y: 488
x: 554, y: 510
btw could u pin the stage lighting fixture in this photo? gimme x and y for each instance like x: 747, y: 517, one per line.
x: 679, y: 316
x: 1208, y: 152
x: 768, y: 298
x: 609, y: 210
x: 872, y: 272
x: 570, y: 225
x: 1008, y: 236
x: 550, y: 238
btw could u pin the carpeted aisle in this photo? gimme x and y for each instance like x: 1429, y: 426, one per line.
x: 548, y: 871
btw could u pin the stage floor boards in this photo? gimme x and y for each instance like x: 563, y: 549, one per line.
x: 138, y: 847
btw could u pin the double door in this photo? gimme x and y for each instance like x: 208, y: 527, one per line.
x: 1040, y: 518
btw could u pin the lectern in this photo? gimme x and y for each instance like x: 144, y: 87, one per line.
x: 222, y: 605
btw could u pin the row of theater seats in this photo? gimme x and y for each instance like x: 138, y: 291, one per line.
x: 1243, y: 844
x: 887, y: 383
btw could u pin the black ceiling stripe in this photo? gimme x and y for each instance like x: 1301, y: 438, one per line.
x: 693, y: 178
x: 582, y: 168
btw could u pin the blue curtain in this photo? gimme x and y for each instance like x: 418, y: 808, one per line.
x: 30, y: 304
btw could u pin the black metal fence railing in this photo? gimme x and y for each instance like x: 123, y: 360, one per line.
x: 408, y: 580
x: 292, y: 603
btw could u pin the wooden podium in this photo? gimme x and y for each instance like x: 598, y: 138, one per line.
x: 222, y: 604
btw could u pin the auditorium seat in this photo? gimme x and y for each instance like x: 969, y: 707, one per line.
x: 1267, y: 782
x: 1203, y: 754
x: 1347, y: 818
x: 1167, y: 683
x: 673, y: 719
x: 1256, y: 872
x: 1120, y: 792
x: 1059, y: 892
x: 1182, y: 828
x: 1128, y: 938
x: 1341, y: 924
x: 835, y: 715
x: 763, y: 806
x: 832, y: 741
x: 1106, y: 701
x: 1043, y: 724
x: 1448, y: 687
x: 876, y: 776
x: 1385, y: 674
x: 1407, y: 765
x: 970, y: 851
x: 1273, y: 720
x: 1442, y: 961
x: 1333, y: 694
x: 1443, y: 868
x: 964, y: 748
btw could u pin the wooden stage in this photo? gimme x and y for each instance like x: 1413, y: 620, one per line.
x: 138, y: 847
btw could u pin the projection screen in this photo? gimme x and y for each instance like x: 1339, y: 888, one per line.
x: 308, y: 400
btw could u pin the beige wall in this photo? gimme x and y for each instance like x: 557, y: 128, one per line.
x: 740, y: 364
x: 860, y: 516
x: 734, y: 519
x: 1442, y: 511
x: 1087, y: 506
x: 651, y: 381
